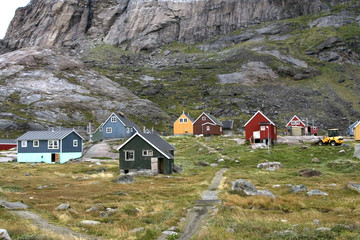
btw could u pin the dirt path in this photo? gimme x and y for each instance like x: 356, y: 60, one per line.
x: 43, y: 225
x: 213, y: 150
x: 208, y: 203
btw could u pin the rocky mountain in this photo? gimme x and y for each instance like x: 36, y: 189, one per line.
x: 67, y: 62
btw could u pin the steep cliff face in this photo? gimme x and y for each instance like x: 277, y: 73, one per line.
x: 144, y: 24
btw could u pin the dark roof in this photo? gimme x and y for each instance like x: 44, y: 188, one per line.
x: 46, y: 135
x: 127, y: 122
x: 214, y: 119
x: 7, y: 141
x: 189, y: 117
x: 228, y: 124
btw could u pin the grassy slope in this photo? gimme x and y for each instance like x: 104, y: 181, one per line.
x: 163, y: 201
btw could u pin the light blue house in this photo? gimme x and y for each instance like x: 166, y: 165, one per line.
x: 54, y: 146
x: 351, y: 128
x: 116, y: 126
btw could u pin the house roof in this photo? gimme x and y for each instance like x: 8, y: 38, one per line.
x: 211, y: 117
x: 124, y: 120
x: 187, y: 115
x: 259, y: 112
x: 228, y: 124
x: 156, y: 141
x: 47, y: 135
x: 354, y: 124
x: 7, y: 141
x: 357, y: 124
x: 293, y: 119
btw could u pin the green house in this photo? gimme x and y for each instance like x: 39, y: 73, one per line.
x: 146, y: 152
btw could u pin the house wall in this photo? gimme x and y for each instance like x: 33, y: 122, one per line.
x: 214, y: 129
x: 183, y: 128
x: 46, y: 157
x: 43, y: 147
x: 198, y: 125
x: 357, y: 133
x: 254, y: 125
x: 97, y: 136
x: 118, y: 129
x: 7, y: 146
x: 138, y: 144
x: 68, y: 146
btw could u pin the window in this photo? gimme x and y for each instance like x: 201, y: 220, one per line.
x: 207, y: 128
x: 127, y: 130
x: 147, y: 153
x: 75, y: 143
x: 131, y: 129
x: 53, y: 144
x: 220, y: 129
x: 185, y: 120
x: 108, y: 130
x: 181, y: 120
x: 36, y: 143
x: 129, y: 155
x: 203, y: 118
x: 113, y: 119
x: 23, y: 144
x: 101, y: 129
x: 262, y: 128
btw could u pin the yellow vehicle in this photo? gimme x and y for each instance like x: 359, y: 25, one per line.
x: 333, y: 138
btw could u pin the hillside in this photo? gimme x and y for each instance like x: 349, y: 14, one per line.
x: 281, y: 57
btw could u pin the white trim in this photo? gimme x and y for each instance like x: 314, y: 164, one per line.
x: 138, y: 134
x: 147, y: 153
x: 24, y: 143
x: 181, y: 117
x: 108, y: 128
x: 129, y: 160
x: 113, y: 118
x: 69, y: 134
x: 75, y: 141
x: 297, y: 118
x: 38, y: 143
x: 208, y: 123
x: 207, y: 117
x: 356, y: 124
x: 58, y: 144
x: 262, y: 115
x: 116, y: 117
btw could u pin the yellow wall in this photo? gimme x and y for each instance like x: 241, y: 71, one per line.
x: 357, y: 133
x: 182, y: 127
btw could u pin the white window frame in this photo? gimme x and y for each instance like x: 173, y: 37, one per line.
x: 75, y: 143
x: 109, y: 130
x: 53, y: 144
x: 127, y: 130
x: 24, y: 143
x: 147, y: 153
x: 126, y: 155
x: 203, y: 118
x: 207, y: 128
x: 262, y: 128
x: 101, y: 129
x: 36, y: 145
x: 220, y: 129
x: 113, y: 119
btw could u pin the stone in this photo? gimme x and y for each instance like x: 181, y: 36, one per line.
x: 342, y: 151
x: 104, y: 214
x: 357, y: 151
x: 316, y: 222
x: 14, y: 205
x: 298, y: 188
x: 174, y: 229
x: 170, y: 233
x: 316, y: 192
x: 89, y: 222
x: 332, y: 20
x: 97, y: 207
x: 271, y: 166
x: 345, y: 145
x: 354, y: 186
x: 63, y: 206
x: 309, y: 173
x: 220, y: 160
x: 244, y: 187
x: 323, y: 229
x: 203, y: 164
x: 136, y: 230
x: 315, y: 160
x: 177, y: 169
x: 265, y: 193
x: 124, y: 179
x: 27, y: 174
x: 214, y: 164
x: 4, y: 235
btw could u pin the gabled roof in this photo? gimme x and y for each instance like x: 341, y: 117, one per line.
x: 47, y: 135
x: 354, y: 124
x: 259, y: 112
x: 155, y: 141
x: 7, y: 141
x: 357, y: 124
x: 228, y: 124
x: 102, y: 124
x: 211, y: 117
x: 187, y: 115
x: 293, y: 119
x: 124, y: 120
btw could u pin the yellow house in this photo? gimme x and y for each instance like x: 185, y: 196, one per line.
x: 357, y: 132
x: 184, y: 125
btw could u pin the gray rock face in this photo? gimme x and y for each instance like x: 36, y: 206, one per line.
x: 332, y: 20
x: 354, y: 186
x: 4, y: 235
x: 65, y: 23
x: 298, y: 188
x: 357, y: 151
x: 14, y: 205
x: 244, y: 187
x: 316, y: 192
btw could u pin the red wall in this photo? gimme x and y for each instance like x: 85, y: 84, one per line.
x: 198, y: 126
x: 296, y: 119
x: 254, y: 125
x: 214, y: 129
x: 7, y: 146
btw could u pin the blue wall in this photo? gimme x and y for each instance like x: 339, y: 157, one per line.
x: 43, y: 147
x: 67, y: 143
x: 118, y: 129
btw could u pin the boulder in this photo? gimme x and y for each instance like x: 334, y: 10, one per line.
x: 104, y: 214
x: 316, y: 222
x: 97, y: 207
x: 354, y: 186
x: 4, y: 235
x: 345, y: 145
x: 309, y: 173
x: 136, y: 230
x: 14, y: 205
x: 63, y: 206
x: 244, y: 187
x: 357, y: 151
x: 298, y: 188
x: 315, y: 160
x: 124, y: 179
x: 203, y: 164
x: 89, y: 222
x: 342, y: 151
x: 214, y: 164
x: 271, y: 166
x: 177, y: 169
x: 266, y: 193
x: 316, y: 192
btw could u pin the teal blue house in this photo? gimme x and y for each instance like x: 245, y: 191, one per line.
x: 117, y: 125
x: 56, y: 146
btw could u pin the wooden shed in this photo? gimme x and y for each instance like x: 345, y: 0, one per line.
x: 146, y: 152
x: 184, y: 124
x: 296, y: 127
x: 207, y: 124
x: 260, y: 128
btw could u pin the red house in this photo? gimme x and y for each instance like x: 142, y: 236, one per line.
x: 207, y: 124
x: 296, y: 127
x: 260, y: 128
x: 314, y: 131
x: 7, y: 144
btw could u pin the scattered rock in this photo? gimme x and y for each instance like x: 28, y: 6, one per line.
x: 214, y: 165
x: 97, y: 170
x: 124, y: 179
x: 316, y: 192
x: 315, y: 160
x: 237, y: 161
x: 316, y: 222
x: 136, y: 230
x: 266, y: 193
x: 220, y: 160
x: 357, y: 151
x: 276, y: 186
x: 310, y: 173
x: 203, y: 164
x: 27, y: 174
x: 63, y: 206
x: 342, y: 151
x: 177, y: 169
x: 14, y: 205
x: 244, y: 187
x: 4, y: 235
x: 82, y: 178
x: 298, y: 188
x: 323, y: 229
x: 174, y: 229
x: 270, y: 166
x: 354, y: 186
x: 345, y: 145
x: 97, y: 207
x: 170, y: 233
x: 104, y: 214
x: 89, y: 222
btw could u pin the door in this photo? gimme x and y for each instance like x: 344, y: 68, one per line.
x: 154, y: 166
x: 161, y: 165
x: 55, y: 157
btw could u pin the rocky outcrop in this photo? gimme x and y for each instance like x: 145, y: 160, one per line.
x: 121, y: 23
x: 42, y: 88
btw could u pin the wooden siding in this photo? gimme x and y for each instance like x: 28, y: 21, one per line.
x: 255, y: 125
x: 182, y: 127
x: 141, y: 162
x: 43, y: 147
x: 357, y: 133
x: 213, y: 129
x: 67, y: 143
x: 97, y: 135
x: 118, y: 129
x: 5, y: 146
x: 198, y: 125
